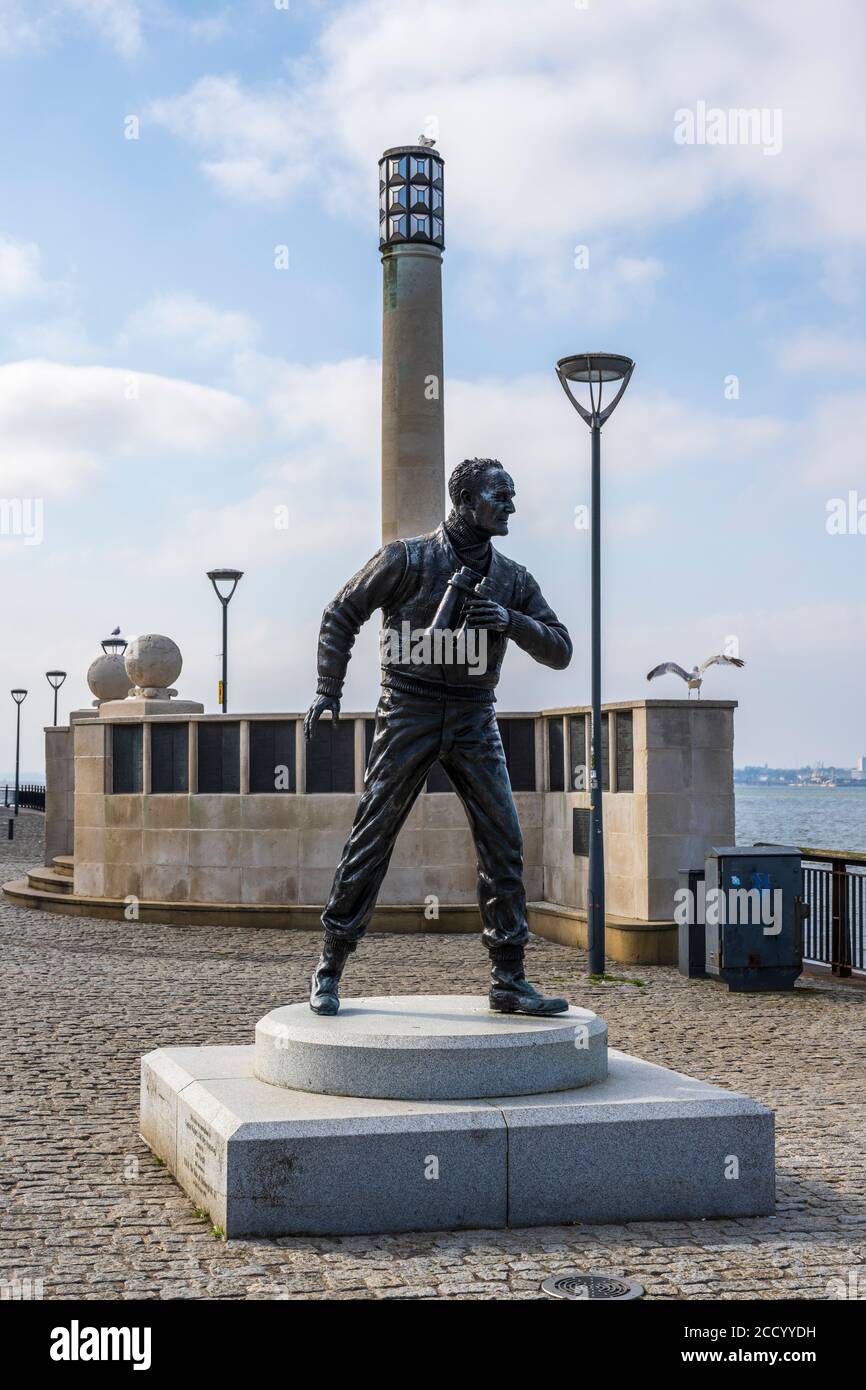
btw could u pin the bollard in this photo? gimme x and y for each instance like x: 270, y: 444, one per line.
x: 11, y: 834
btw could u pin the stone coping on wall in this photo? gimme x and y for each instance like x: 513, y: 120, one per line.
x: 683, y: 703
x: 347, y: 715
x: 370, y: 713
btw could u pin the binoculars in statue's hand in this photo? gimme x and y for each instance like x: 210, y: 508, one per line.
x: 464, y: 585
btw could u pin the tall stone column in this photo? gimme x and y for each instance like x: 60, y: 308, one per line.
x: 411, y: 240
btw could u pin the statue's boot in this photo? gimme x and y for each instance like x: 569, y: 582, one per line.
x: 511, y: 992
x: 325, y: 991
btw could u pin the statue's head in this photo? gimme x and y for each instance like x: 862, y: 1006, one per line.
x: 483, y: 494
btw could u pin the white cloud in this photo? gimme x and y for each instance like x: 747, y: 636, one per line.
x: 47, y: 323
x: 61, y: 425
x: 255, y: 144
x: 19, y: 26
x: 316, y: 492
x: 20, y: 270
x: 191, y: 324
x: 117, y: 21
x: 35, y: 24
x: 529, y: 424
x: 310, y: 439
x: 63, y: 338
x: 639, y: 270
x: 335, y: 407
x: 557, y: 122
x: 323, y: 464
x: 275, y: 525
x: 602, y: 286
x: 827, y: 447
x: 210, y: 28
x: 818, y: 350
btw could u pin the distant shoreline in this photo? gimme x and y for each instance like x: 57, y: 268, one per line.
x: 802, y: 786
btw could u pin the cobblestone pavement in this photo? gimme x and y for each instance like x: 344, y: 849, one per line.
x: 87, y: 1209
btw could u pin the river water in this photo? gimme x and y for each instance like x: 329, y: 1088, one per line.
x: 820, y: 817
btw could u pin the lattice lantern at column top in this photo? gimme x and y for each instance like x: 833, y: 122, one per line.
x: 411, y: 196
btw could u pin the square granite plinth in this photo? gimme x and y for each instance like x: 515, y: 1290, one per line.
x: 644, y: 1144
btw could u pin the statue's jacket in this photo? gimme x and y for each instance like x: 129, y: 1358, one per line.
x: 406, y: 579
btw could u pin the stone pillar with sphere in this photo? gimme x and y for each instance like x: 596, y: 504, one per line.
x: 151, y: 663
x: 127, y: 680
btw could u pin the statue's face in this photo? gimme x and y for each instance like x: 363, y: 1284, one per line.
x: 492, y: 503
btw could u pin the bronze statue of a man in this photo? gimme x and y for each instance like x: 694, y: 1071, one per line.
x: 437, y: 706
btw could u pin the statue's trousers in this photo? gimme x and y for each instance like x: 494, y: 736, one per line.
x: 412, y: 733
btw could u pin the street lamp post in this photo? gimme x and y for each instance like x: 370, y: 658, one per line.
x: 18, y: 696
x: 593, y: 369
x: 55, y: 679
x: 216, y: 578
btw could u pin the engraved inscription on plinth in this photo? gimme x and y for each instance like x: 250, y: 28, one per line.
x: 201, y: 1158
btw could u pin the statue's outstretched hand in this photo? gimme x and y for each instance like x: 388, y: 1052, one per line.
x: 316, y: 710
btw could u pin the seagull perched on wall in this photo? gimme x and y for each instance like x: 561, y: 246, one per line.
x: 426, y: 141
x: 694, y: 678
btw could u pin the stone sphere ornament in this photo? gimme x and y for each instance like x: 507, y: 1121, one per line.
x: 107, y: 679
x: 153, y: 663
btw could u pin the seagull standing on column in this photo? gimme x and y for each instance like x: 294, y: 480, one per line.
x: 694, y: 678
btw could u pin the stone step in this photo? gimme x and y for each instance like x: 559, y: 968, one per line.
x: 49, y: 880
x: 64, y: 864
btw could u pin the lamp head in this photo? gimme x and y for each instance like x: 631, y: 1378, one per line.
x: 594, y: 369
x: 114, y: 644
x: 224, y: 576
x: 18, y: 695
x: 55, y: 678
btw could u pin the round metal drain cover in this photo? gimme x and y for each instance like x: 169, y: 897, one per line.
x: 591, y: 1286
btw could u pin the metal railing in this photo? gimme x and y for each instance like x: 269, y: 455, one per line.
x: 834, y: 887
x: 31, y: 796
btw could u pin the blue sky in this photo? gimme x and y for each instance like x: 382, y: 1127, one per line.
x: 163, y: 388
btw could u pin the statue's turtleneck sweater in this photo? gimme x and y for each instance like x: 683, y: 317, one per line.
x: 472, y: 545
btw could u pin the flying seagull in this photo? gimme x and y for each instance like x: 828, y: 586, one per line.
x: 694, y: 679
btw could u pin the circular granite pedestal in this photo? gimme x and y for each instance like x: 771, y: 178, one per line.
x: 428, y: 1047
